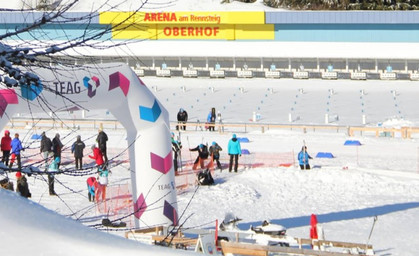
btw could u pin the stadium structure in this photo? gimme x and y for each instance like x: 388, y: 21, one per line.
x: 278, y: 44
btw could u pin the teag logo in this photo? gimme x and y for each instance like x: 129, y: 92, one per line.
x: 91, y: 84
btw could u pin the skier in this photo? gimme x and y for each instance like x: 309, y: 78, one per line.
x: 91, y: 188
x: 303, y: 158
x: 176, y: 147
x: 77, y: 148
x: 182, y: 118
x: 52, y: 168
x: 22, y: 187
x: 101, y: 139
x: 214, y: 151
x: 211, y: 120
x: 5, y: 147
x: 234, y: 151
x: 202, y: 154
x: 16, y: 146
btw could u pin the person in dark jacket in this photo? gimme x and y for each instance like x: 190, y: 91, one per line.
x: 57, y: 147
x: 16, y: 146
x: 77, y: 149
x: 211, y: 120
x: 6, y: 147
x: 176, y: 147
x: 182, y: 118
x: 202, y: 154
x: 22, y: 187
x: 234, y: 151
x: 303, y: 157
x: 46, y: 147
x: 101, y: 139
x: 214, y: 151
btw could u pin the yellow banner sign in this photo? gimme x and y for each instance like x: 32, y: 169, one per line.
x: 182, y: 17
x: 189, y: 25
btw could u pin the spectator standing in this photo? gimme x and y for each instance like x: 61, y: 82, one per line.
x: 57, y: 147
x: 91, y: 188
x: 46, y: 148
x: 102, y: 184
x: 101, y: 139
x: 176, y: 147
x: 303, y: 158
x: 182, y: 118
x: 214, y: 151
x: 22, y: 187
x: 52, y: 168
x: 77, y: 149
x: 234, y: 151
x: 202, y: 155
x: 16, y: 146
x: 97, y: 156
x: 211, y: 120
x: 6, y: 147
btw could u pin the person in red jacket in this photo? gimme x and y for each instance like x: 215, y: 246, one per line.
x: 97, y: 156
x: 6, y: 147
x: 91, y: 188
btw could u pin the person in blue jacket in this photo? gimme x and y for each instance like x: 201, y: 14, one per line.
x: 53, y: 168
x: 303, y: 157
x: 234, y: 151
x: 16, y: 149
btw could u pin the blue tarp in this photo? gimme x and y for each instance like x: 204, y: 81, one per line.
x: 243, y: 140
x: 36, y: 137
x: 352, y: 143
x: 325, y: 155
x: 245, y: 152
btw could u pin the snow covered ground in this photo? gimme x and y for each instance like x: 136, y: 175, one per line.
x: 379, y: 178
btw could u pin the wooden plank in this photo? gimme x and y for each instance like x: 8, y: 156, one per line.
x: 334, y: 243
x: 258, y: 250
x: 175, y: 240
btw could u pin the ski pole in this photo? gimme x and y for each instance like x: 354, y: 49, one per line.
x: 189, y: 146
x: 372, y: 228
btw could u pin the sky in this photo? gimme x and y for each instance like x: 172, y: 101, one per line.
x: 379, y: 178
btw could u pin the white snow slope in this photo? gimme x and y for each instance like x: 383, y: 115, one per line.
x: 379, y: 178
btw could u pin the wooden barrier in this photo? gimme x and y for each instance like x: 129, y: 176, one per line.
x: 88, y: 124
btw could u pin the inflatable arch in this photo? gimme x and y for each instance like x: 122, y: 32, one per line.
x: 117, y: 88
